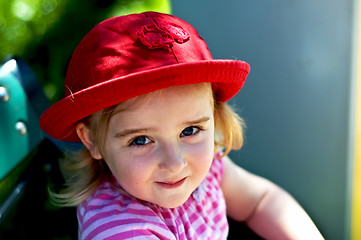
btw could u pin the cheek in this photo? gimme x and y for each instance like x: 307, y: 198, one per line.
x: 204, y: 149
x: 202, y: 154
x: 129, y: 171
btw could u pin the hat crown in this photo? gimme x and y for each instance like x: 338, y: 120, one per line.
x: 125, y: 45
x: 131, y: 55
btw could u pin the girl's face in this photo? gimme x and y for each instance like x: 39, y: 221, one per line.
x: 161, y: 148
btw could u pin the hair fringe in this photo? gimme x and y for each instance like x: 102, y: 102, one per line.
x: 228, y: 127
x: 82, y: 175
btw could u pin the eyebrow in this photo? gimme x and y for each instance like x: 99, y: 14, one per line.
x: 198, y: 121
x: 139, y: 131
x: 135, y: 131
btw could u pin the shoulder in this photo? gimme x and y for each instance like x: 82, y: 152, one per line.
x: 217, y: 168
x: 210, y: 188
x: 242, y: 190
x: 208, y: 195
x: 112, y: 214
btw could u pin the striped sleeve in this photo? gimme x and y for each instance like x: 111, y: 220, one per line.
x: 114, y: 218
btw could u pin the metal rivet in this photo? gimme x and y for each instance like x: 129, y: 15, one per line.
x: 4, y: 94
x: 21, y: 128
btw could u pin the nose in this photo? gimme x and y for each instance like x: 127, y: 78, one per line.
x: 172, y: 158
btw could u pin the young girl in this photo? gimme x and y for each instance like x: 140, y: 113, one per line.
x: 147, y: 100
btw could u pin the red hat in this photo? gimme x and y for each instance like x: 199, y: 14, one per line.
x: 127, y: 56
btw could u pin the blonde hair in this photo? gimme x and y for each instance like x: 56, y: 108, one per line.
x: 88, y: 173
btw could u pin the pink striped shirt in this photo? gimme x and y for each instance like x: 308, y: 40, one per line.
x: 110, y: 213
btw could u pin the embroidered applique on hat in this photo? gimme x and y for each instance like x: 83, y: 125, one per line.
x: 162, y: 36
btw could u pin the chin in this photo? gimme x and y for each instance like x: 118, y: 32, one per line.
x: 172, y: 203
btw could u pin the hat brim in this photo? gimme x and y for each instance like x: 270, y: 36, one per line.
x: 227, y: 78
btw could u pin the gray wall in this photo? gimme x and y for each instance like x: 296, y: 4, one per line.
x: 296, y: 99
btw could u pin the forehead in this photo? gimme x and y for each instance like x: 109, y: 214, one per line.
x: 200, y: 91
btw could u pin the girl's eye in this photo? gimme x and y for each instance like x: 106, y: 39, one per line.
x: 140, y: 141
x: 189, y: 131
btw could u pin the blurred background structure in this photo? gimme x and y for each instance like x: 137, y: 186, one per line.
x: 301, y: 102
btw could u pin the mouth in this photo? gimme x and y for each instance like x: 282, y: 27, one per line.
x: 172, y: 184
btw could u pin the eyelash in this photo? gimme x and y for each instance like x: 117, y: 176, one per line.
x: 198, y: 130
x: 148, y: 140
x: 133, y: 141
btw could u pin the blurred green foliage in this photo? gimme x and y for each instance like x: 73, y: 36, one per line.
x: 45, y: 33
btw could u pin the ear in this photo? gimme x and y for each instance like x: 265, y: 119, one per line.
x: 84, y: 135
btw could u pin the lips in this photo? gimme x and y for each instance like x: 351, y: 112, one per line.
x: 172, y: 184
